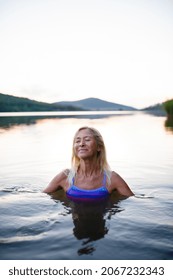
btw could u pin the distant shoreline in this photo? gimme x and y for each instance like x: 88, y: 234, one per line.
x: 64, y: 113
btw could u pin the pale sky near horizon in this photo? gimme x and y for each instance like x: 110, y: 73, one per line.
x: 117, y: 50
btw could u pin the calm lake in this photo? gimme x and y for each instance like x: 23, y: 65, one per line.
x: 34, y: 225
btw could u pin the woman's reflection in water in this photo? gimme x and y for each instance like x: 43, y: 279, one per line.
x: 90, y: 218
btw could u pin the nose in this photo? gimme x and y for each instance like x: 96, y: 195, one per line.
x: 82, y: 142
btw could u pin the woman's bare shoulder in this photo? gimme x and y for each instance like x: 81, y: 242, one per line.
x: 114, y: 175
x: 59, y: 181
x: 62, y: 175
x: 118, y: 183
x: 66, y: 172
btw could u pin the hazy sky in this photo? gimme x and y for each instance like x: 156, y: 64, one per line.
x: 116, y: 50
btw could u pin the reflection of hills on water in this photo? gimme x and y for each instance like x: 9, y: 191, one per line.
x: 169, y: 123
x: 89, y: 218
x: 7, y: 122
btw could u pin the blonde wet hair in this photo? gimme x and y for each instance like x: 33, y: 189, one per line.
x: 101, y: 162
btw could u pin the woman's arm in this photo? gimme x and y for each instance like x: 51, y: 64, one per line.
x: 117, y: 183
x: 58, y: 182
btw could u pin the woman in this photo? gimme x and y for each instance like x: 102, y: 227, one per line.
x: 90, y: 176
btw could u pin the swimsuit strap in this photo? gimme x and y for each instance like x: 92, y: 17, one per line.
x: 73, y: 181
x: 104, y: 180
x: 78, y: 194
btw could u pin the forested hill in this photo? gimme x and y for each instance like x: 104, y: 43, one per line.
x: 9, y: 103
x: 157, y: 109
x: 96, y: 104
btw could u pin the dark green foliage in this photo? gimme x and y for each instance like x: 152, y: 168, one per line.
x: 168, y: 105
x: 9, y: 103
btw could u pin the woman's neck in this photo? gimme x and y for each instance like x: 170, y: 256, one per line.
x: 88, y: 168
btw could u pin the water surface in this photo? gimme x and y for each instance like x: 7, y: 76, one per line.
x: 35, y: 225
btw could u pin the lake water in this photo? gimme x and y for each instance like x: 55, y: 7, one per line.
x: 34, y: 225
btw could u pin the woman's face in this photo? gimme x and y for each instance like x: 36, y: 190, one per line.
x: 85, y: 145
